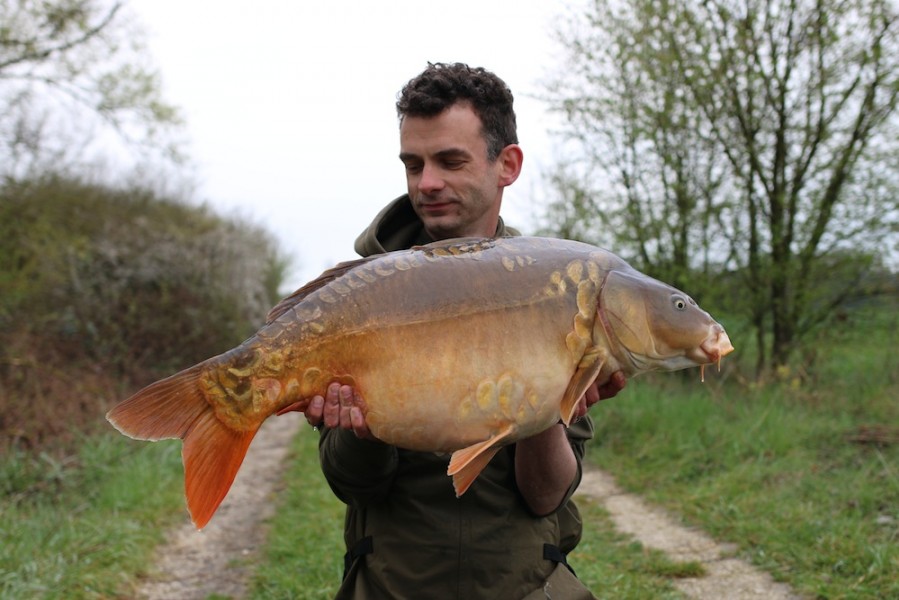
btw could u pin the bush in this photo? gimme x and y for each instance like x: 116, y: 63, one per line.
x: 105, y: 289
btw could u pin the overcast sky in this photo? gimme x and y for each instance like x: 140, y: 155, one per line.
x: 290, y: 105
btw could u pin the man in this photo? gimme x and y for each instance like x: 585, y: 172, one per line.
x: 407, y: 534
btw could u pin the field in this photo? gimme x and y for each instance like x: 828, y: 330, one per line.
x: 802, y: 473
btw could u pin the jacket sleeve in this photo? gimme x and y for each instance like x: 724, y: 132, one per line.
x: 578, y: 435
x: 357, y: 470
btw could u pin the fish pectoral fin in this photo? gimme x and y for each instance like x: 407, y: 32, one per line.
x: 587, y: 370
x: 466, y: 464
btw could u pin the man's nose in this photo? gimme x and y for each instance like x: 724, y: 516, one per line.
x: 431, y: 180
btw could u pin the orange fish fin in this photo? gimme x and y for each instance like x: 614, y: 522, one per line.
x: 466, y: 464
x: 163, y: 410
x: 175, y: 407
x: 321, y: 281
x: 212, y: 455
x: 586, y: 372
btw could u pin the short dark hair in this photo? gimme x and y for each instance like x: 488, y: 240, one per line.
x: 442, y: 85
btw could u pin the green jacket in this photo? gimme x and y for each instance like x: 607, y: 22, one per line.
x: 408, y: 536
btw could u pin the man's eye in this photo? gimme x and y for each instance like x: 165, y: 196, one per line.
x: 453, y: 164
x: 413, y: 169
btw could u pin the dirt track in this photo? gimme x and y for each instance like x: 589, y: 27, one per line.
x: 726, y: 577
x: 195, y: 565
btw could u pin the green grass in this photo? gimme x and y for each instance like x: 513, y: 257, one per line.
x: 775, y: 468
x: 82, y: 527
x: 304, y: 554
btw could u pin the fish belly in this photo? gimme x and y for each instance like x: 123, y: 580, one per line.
x: 441, y: 386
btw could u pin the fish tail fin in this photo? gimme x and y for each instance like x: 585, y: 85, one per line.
x: 212, y: 453
x: 163, y: 410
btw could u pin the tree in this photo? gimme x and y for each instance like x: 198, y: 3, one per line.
x: 70, y: 70
x: 754, y: 136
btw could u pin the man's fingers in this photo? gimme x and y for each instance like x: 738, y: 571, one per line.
x: 332, y: 406
x: 314, y: 413
x: 615, y: 384
x: 360, y: 428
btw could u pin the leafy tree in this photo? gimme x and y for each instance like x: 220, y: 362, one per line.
x: 751, y: 136
x: 70, y: 70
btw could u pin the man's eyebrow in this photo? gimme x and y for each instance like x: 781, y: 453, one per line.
x: 443, y: 154
x: 453, y: 153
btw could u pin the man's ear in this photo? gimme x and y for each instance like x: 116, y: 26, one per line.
x: 509, y: 160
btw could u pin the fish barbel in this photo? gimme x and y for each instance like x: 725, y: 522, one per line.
x: 461, y: 347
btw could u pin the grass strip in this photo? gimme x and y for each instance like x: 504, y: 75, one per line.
x: 83, y: 527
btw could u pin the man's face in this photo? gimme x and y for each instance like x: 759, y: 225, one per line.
x: 455, y: 190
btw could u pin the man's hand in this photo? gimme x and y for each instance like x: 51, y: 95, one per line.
x: 597, y: 392
x: 340, y: 407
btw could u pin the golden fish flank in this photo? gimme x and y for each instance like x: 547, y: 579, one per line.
x: 524, y: 326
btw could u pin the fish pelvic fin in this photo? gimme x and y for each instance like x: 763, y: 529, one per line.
x: 466, y: 464
x: 587, y: 371
x: 175, y: 408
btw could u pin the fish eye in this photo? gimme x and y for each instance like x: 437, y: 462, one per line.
x: 679, y: 302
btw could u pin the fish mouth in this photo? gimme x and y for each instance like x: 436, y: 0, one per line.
x: 716, y: 346
x: 713, y: 349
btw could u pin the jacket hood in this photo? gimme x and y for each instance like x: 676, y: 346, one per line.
x: 397, y: 227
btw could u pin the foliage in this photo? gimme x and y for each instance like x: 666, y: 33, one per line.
x: 745, y: 137
x: 76, y: 528
x: 104, y: 285
x: 801, y: 474
x: 69, y: 70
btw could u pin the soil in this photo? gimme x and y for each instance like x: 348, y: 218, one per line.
x: 217, y: 560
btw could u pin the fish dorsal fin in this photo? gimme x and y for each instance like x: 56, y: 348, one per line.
x: 466, y: 464
x: 322, y: 280
x: 587, y: 370
x: 458, y: 246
